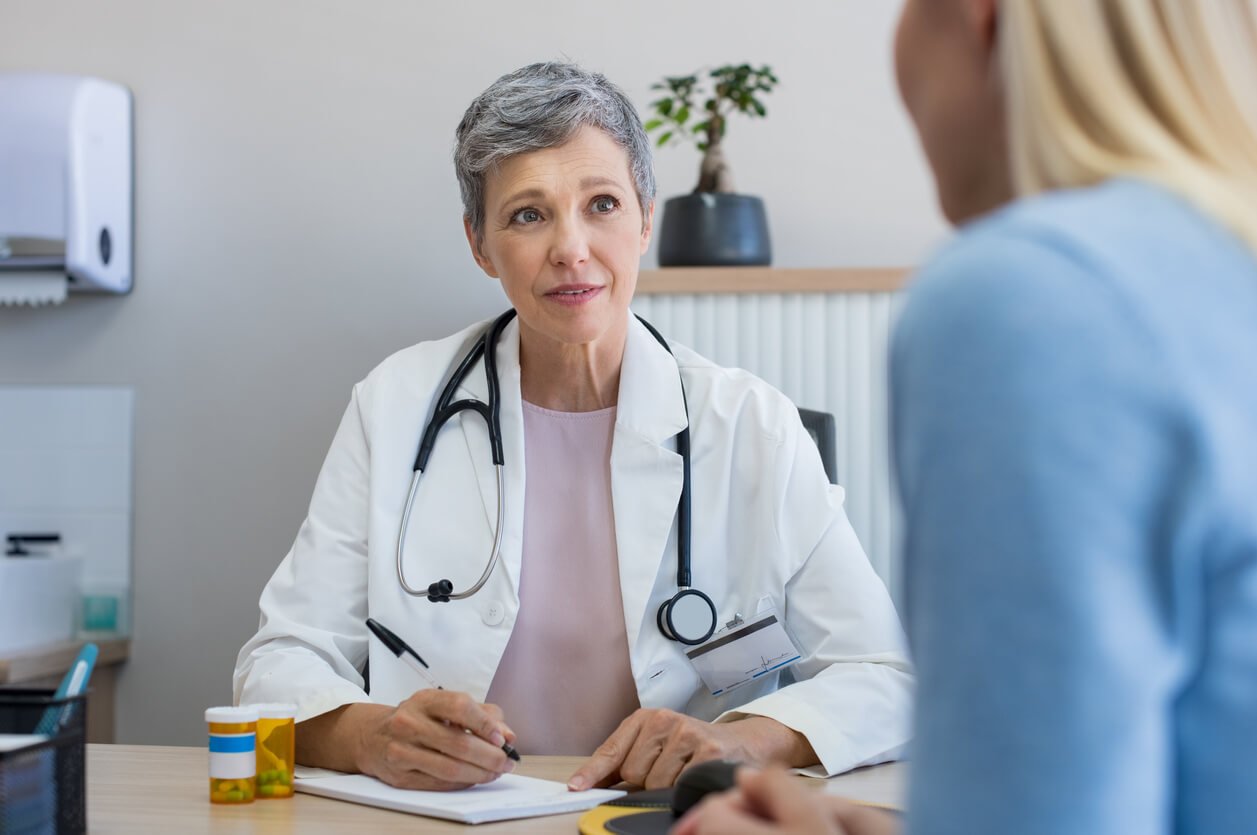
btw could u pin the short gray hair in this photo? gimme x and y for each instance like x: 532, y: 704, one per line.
x: 541, y: 106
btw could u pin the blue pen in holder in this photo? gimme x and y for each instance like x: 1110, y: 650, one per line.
x: 42, y: 775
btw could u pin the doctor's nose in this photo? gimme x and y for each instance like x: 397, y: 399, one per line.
x: 570, y: 244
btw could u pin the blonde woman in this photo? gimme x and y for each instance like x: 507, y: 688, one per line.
x: 1075, y: 427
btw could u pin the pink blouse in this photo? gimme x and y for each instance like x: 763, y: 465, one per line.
x: 565, y: 681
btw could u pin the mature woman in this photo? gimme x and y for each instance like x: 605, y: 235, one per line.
x: 619, y: 452
x: 1075, y: 426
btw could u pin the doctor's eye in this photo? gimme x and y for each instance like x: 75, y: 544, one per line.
x: 525, y: 216
x: 605, y: 204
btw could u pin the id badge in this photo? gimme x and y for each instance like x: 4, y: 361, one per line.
x: 744, y: 653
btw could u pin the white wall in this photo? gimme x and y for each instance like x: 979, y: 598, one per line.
x: 297, y: 219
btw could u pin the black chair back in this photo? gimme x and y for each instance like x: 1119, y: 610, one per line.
x: 824, y: 432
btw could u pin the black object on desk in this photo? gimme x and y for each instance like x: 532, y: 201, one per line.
x: 666, y: 805
x: 43, y: 785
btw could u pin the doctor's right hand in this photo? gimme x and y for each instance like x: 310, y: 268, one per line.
x: 437, y: 740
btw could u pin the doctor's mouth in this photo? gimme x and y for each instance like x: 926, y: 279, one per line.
x: 575, y: 295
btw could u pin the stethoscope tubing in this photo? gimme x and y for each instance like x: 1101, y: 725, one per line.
x: 485, y: 347
x: 683, y: 449
x: 493, y: 557
x: 446, y: 407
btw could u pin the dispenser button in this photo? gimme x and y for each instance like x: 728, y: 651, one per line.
x: 106, y: 245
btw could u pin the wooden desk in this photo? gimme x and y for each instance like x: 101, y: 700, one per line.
x: 45, y: 666
x: 140, y: 789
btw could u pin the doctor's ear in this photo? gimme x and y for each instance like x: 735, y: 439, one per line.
x: 476, y: 252
x: 648, y: 225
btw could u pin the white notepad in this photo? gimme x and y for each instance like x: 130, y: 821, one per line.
x: 510, y: 796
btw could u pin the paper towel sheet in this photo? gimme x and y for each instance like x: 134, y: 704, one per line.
x: 32, y: 288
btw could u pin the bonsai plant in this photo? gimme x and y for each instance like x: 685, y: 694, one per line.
x: 713, y: 225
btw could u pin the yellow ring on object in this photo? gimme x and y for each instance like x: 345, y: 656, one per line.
x: 594, y: 822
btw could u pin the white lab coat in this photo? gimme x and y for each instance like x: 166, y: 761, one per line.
x: 768, y: 529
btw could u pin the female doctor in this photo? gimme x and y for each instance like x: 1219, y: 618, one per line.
x: 645, y: 495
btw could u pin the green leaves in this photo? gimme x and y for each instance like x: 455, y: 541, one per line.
x: 738, y: 84
x: 723, y: 90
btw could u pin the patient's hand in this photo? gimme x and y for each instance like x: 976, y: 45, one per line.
x: 774, y: 803
x: 651, y: 747
x: 436, y: 740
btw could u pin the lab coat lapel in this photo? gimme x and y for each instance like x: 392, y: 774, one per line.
x: 646, y: 473
x: 480, y: 455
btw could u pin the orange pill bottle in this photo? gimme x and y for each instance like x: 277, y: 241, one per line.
x: 232, y: 754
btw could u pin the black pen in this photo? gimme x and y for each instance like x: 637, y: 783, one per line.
x: 403, y: 651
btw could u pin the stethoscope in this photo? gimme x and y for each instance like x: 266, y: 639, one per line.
x: 688, y: 616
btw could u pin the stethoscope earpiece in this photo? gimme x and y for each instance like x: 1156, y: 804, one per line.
x: 439, y: 592
x: 688, y: 616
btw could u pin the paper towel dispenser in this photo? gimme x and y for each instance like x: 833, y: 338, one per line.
x: 65, y: 182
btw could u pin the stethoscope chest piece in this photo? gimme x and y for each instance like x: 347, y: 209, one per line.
x: 688, y: 616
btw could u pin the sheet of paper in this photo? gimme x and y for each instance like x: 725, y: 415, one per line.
x: 510, y: 796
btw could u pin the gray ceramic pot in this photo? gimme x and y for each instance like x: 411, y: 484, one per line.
x: 714, y: 230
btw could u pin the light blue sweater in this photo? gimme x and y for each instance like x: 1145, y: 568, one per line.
x: 1074, y: 394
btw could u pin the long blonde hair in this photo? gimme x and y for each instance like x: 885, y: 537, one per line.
x: 1165, y: 90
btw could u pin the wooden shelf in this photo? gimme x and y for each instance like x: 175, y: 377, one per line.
x: 44, y: 666
x: 54, y: 659
x: 772, y: 280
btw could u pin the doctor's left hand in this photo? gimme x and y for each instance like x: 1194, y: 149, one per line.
x: 652, y: 746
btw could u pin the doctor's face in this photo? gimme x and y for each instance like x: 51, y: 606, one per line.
x: 564, y: 233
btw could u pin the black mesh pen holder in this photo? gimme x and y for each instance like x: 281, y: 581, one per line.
x: 43, y: 783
